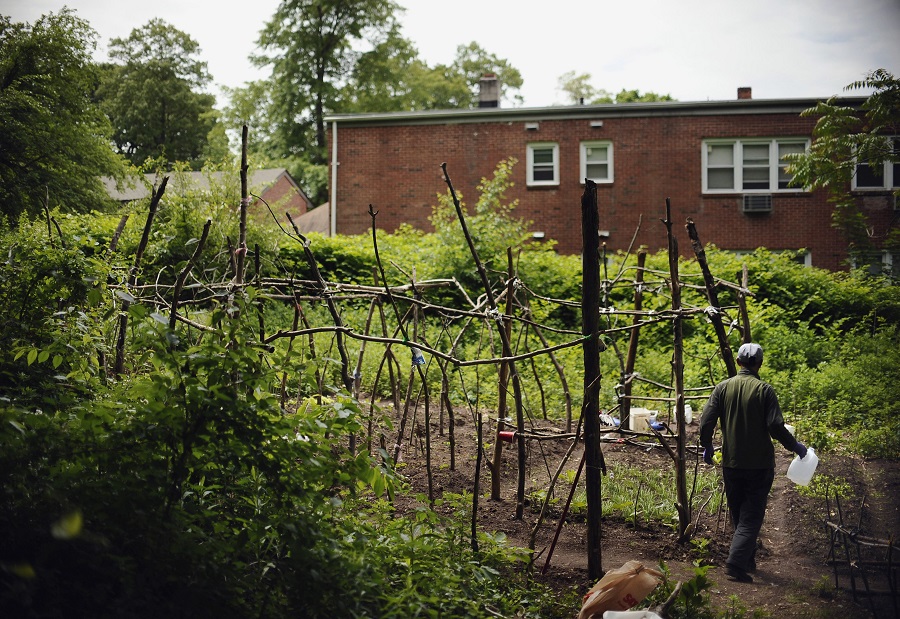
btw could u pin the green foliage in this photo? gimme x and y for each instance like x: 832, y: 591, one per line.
x: 641, y: 495
x: 492, y: 227
x: 578, y: 89
x: 842, y: 138
x: 693, y: 601
x: 309, y: 45
x: 51, y: 340
x: 154, y: 97
x: 53, y: 138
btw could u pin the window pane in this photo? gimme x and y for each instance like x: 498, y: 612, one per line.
x: 756, y: 178
x: 543, y: 155
x: 895, y: 167
x: 543, y: 173
x: 597, y: 171
x: 756, y: 154
x: 867, y: 177
x: 786, y: 148
x: 596, y: 154
x: 721, y: 178
x: 720, y: 155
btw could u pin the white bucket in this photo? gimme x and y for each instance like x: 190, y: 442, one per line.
x: 801, y: 470
x: 639, y: 419
x: 688, y: 414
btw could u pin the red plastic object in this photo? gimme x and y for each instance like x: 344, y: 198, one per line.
x: 507, y: 436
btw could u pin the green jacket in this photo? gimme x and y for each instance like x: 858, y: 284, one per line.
x: 750, y: 418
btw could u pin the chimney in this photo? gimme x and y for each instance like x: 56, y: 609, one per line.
x: 745, y: 92
x: 489, y: 91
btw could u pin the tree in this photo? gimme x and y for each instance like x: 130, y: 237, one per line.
x: 473, y: 62
x: 53, y: 139
x: 846, y: 143
x: 391, y: 78
x: 153, y: 96
x: 578, y: 90
x: 310, y: 46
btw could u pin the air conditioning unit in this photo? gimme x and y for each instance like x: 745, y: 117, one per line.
x: 757, y: 203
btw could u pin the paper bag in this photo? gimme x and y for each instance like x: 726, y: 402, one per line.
x: 620, y: 589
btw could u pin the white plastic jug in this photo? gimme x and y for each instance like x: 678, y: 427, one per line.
x: 801, y: 470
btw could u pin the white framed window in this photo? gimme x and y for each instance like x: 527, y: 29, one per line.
x: 867, y: 178
x: 875, y: 262
x: 543, y: 163
x: 597, y: 161
x: 749, y: 165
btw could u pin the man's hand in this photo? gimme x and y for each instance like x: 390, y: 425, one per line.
x: 800, y: 450
x: 708, y: 454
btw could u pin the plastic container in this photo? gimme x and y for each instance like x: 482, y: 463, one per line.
x: 630, y: 614
x: 801, y: 470
x: 638, y: 420
x: 688, y: 414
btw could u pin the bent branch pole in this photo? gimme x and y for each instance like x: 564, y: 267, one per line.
x: 373, y: 213
x: 329, y: 302
x: 507, y: 347
x: 682, y: 504
x: 132, y: 277
x: 590, y: 317
x: 715, y: 314
x: 191, y: 263
x: 628, y: 378
x: 241, y: 251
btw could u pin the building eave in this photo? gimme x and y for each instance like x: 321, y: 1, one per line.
x: 591, y: 112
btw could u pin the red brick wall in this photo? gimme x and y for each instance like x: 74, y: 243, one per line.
x: 282, y: 196
x: 397, y: 170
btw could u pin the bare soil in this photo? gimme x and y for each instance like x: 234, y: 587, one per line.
x: 793, y: 579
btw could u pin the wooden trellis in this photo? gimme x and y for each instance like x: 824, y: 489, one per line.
x: 409, y: 302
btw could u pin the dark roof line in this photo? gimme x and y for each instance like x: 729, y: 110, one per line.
x: 598, y: 112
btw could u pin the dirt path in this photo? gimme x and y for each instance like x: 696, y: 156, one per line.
x: 793, y: 579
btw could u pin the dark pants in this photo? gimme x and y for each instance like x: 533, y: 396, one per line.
x: 747, y: 491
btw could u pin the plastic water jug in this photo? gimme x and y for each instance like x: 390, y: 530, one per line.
x: 801, y: 470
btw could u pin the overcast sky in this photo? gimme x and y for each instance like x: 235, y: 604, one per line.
x: 694, y: 50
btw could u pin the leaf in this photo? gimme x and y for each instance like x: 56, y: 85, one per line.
x: 159, y: 318
x: 32, y: 355
x: 23, y: 570
x: 18, y: 426
x: 124, y: 296
x: 68, y: 526
x: 57, y: 360
x: 43, y: 356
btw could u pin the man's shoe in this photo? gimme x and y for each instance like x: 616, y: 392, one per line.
x: 737, y: 574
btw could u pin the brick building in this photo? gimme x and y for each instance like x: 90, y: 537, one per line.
x: 718, y: 161
x: 274, y: 185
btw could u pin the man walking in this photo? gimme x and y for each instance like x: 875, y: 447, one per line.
x: 750, y: 418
